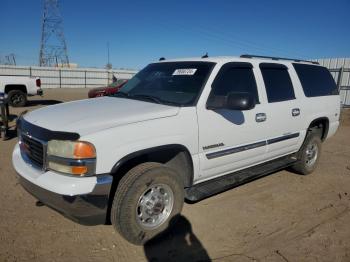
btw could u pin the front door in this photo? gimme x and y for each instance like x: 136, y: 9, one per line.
x: 230, y: 140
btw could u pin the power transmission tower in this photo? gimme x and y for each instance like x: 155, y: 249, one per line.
x: 53, y: 48
x: 8, y: 60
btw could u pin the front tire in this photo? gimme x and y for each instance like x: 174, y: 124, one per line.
x: 309, y: 154
x: 148, y: 197
x: 17, y: 98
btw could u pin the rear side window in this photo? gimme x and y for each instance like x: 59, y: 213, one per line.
x: 277, y: 81
x: 316, y: 80
x: 235, y: 77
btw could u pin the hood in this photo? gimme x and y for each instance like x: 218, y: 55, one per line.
x: 92, y: 115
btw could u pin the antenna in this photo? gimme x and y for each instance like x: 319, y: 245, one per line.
x: 206, y: 55
x: 53, y: 47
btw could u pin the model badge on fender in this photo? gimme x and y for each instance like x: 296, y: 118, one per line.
x: 213, y: 146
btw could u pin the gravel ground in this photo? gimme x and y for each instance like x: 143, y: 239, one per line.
x: 281, y: 217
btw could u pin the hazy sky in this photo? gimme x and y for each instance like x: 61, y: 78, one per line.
x: 139, y: 32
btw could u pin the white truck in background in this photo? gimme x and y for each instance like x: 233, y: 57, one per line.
x: 18, y: 88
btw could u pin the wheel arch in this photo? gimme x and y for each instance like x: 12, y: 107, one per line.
x: 320, y: 122
x: 11, y: 87
x: 174, y: 155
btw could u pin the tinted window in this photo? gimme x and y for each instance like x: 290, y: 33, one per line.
x: 235, y: 77
x: 277, y: 82
x: 316, y: 80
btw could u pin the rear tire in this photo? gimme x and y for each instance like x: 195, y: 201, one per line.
x: 309, y: 154
x: 148, y: 197
x: 17, y: 98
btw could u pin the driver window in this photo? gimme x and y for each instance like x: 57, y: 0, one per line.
x: 235, y: 77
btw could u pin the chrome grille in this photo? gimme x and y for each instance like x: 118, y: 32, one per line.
x: 33, y: 149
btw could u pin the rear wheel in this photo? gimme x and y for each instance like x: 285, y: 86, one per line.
x: 309, y: 154
x: 148, y: 197
x: 17, y: 98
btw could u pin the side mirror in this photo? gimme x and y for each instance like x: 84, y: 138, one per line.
x: 233, y: 101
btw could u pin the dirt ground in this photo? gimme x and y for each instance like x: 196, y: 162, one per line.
x: 281, y: 217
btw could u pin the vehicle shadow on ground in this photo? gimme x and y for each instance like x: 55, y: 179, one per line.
x: 179, y: 244
x: 42, y: 102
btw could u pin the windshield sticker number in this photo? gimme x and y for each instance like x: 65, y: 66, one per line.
x: 185, y: 72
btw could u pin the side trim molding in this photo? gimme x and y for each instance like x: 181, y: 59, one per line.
x: 234, y: 150
x: 282, y: 138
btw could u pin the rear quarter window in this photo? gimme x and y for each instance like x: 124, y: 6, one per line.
x: 316, y: 80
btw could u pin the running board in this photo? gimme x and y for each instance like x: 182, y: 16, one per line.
x: 211, y: 187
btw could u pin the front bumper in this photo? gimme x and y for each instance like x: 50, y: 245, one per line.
x: 83, y: 200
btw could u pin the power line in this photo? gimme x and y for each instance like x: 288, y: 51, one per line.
x: 217, y: 35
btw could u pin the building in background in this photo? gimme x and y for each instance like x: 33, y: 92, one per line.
x: 340, y: 70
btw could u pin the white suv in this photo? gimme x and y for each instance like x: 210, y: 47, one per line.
x: 179, y: 129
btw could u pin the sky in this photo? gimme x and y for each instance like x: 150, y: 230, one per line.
x: 139, y: 32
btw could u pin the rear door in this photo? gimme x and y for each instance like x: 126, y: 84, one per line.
x: 284, y: 114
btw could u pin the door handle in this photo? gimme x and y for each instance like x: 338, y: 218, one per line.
x: 260, y: 117
x: 295, y: 111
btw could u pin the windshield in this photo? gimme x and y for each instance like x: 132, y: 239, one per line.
x: 173, y: 83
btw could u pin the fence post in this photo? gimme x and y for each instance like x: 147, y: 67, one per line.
x: 85, y: 78
x: 30, y: 71
x: 340, y: 78
x: 59, y: 75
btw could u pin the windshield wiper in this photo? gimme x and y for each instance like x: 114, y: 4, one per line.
x: 147, y: 97
x: 122, y: 94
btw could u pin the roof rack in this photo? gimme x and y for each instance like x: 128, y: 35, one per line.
x: 278, y: 58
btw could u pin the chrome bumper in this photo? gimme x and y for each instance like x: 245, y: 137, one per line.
x: 89, y: 209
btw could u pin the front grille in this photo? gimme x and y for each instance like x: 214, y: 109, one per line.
x: 33, y: 149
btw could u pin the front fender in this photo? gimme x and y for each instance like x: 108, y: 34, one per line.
x: 114, y: 144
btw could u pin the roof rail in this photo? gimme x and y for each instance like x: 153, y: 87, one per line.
x: 278, y: 58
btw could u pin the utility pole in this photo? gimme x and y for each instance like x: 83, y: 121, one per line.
x: 53, y: 47
x: 108, y: 52
x: 108, y: 65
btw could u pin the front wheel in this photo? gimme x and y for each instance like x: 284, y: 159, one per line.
x: 148, y: 199
x: 309, y: 154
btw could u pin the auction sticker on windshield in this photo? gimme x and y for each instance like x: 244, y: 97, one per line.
x: 185, y: 71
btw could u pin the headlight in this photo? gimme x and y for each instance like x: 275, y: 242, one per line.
x: 71, y: 157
